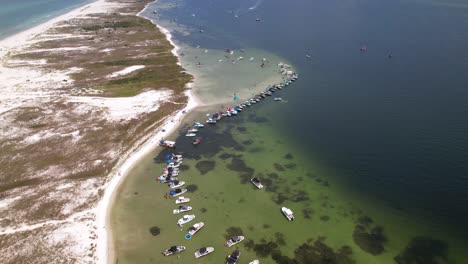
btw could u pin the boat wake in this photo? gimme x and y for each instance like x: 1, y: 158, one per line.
x: 252, y: 5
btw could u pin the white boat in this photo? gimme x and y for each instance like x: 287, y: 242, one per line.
x: 177, y: 192
x: 185, y: 219
x: 174, y: 165
x: 278, y: 99
x: 195, y: 228
x: 167, y: 143
x: 254, y: 262
x: 182, y: 200
x: 164, y: 179
x: 287, y: 213
x: 234, y: 240
x: 203, y: 251
x: 176, y: 184
x: 257, y: 183
x: 181, y: 209
x: 173, y: 250
x: 190, y: 135
x: 211, y: 121
x: 192, y: 130
x: 234, y: 257
x: 233, y: 112
x: 198, y: 125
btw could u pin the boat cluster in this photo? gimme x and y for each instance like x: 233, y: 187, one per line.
x: 269, y: 91
x: 171, y: 173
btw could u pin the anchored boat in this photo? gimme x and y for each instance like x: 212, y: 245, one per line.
x: 181, y: 209
x: 195, y: 228
x: 173, y: 250
x: 203, y: 252
x: 182, y: 200
x: 255, y: 181
x: 287, y: 213
x: 177, y: 192
x: 234, y: 240
x: 185, y: 219
x: 234, y: 257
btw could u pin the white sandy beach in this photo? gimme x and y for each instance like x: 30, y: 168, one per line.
x: 14, y: 86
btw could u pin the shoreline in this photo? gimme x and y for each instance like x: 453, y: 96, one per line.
x: 17, y: 40
x: 105, y: 244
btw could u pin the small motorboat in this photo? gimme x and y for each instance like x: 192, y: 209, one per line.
x: 287, y: 213
x: 198, y: 125
x: 181, y: 209
x: 234, y: 240
x: 234, y: 112
x: 173, y: 250
x: 164, y: 179
x: 177, y: 192
x: 176, y: 184
x: 203, y: 251
x: 192, y: 130
x: 234, y: 257
x: 254, y: 262
x: 195, y: 228
x: 211, y: 121
x: 278, y: 99
x: 197, y: 141
x: 255, y: 181
x: 185, y: 219
x: 182, y: 200
x: 190, y: 135
x: 167, y: 143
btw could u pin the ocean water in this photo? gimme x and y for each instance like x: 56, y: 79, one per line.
x: 17, y: 16
x: 369, y: 148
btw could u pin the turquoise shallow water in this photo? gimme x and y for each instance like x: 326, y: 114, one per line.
x: 16, y: 16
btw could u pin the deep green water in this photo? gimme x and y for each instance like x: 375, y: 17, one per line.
x: 378, y: 145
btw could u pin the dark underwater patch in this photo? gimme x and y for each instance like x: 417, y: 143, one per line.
x: 205, y: 166
x: 225, y: 156
x: 299, y: 196
x: 241, y: 129
x: 233, y: 231
x: 371, y: 240
x: 290, y: 166
x: 239, y: 166
x: 265, y: 249
x: 279, y: 198
x: 266, y: 226
x: 248, y: 142
x: 307, y: 212
x: 324, y: 218
x: 203, y: 210
x: 316, y: 253
x: 424, y: 250
x: 192, y: 188
x: 280, y: 239
x: 154, y: 230
x: 289, y: 156
x: 184, y: 167
x: 278, y: 167
x: 256, y: 149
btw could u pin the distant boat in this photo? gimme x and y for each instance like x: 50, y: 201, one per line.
x: 258, y: 19
x: 254, y: 262
x: 190, y: 135
x: 173, y: 250
x: 203, y: 251
x: 278, y: 99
